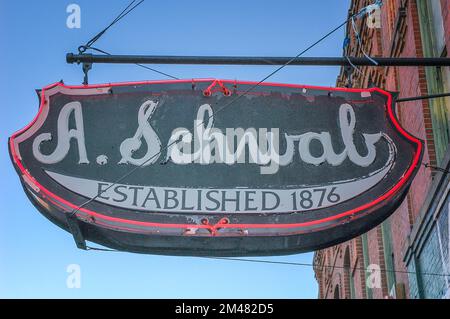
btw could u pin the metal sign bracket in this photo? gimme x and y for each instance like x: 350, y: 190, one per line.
x: 75, y: 230
x: 86, y: 67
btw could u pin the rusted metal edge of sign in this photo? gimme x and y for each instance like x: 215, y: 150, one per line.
x: 343, y: 165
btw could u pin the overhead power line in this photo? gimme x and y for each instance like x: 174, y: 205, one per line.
x: 286, y: 63
x: 291, y: 263
x: 121, y: 15
x: 422, y: 97
x: 138, y: 64
x: 89, y: 44
x: 325, y: 266
x: 239, y: 96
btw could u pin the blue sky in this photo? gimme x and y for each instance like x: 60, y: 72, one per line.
x: 34, y: 253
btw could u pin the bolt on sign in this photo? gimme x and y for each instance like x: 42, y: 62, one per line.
x: 184, y: 167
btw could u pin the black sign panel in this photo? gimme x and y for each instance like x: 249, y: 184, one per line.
x: 184, y: 167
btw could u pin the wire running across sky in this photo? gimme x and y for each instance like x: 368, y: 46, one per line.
x: 127, y: 10
x: 239, y: 96
x: 296, y: 264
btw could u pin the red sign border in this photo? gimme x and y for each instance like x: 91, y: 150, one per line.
x: 53, y: 198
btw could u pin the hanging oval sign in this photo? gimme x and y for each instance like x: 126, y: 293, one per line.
x: 197, y: 167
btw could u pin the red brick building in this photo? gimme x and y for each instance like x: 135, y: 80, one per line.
x: 399, y: 257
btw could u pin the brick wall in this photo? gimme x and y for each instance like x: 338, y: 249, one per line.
x: 399, y: 36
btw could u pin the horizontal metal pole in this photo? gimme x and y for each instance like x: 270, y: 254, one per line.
x: 240, y: 60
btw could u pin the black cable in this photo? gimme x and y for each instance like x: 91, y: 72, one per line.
x: 288, y: 263
x: 75, y: 210
x: 138, y: 64
x: 325, y: 266
x: 436, y: 168
x: 121, y: 15
x: 422, y: 97
x: 103, y: 249
x: 117, y: 19
x: 88, y: 45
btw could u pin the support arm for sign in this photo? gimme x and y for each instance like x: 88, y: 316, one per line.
x: 86, y: 67
x: 239, y: 60
x: 423, y: 97
x: 75, y: 230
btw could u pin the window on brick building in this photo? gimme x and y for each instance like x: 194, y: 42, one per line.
x: 336, y: 294
x: 348, y: 276
x: 438, y: 79
x: 365, y: 249
x: 445, y: 79
x: 388, y: 254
